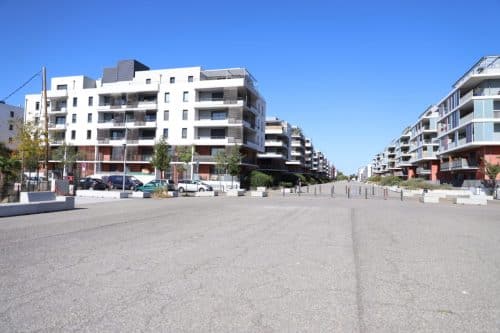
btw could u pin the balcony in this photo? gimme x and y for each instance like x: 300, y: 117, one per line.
x: 275, y: 143
x: 466, y: 98
x: 56, y: 126
x: 466, y: 119
x: 423, y: 171
x: 272, y: 155
x: 61, y: 93
x: 275, y: 130
x: 217, y: 102
x: 463, y: 163
x: 57, y: 109
x: 127, y: 106
x: 209, y: 140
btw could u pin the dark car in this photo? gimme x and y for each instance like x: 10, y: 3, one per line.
x: 89, y: 183
x: 116, y: 181
x: 156, y: 184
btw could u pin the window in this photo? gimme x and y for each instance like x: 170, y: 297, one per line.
x: 12, y: 114
x: 62, y: 87
x: 190, y: 78
x: 60, y: 120
x: 75, y: 102
x: 185, y: 96
x: 184, y: 114
x: 166, y: 115
x: 37, y: 105
x: 73, y: 135
x: 167, y: 97
x: 184, y: 133
x: 172, y: 79
x: 11, y: 127
x: 89, y: 134
x: 165, y: 133
x: 10, y: 139
x: 37, y: 120
x: 148, y: 81
x: 496, y: 128
x: 217, y: 133
x: 219, y: 115
x: 89, y: 117
x: 73, y: 118
x: 91, y: 101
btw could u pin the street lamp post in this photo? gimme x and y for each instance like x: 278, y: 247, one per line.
x: 124, y: 165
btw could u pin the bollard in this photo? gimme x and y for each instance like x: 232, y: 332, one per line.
x: 299, y: 190
x: 315, y: 191
x: 319, y: 189
x: 401, y: 194
x: 283, y: 191
x: 373, y: 189
x: 349, y: 193
x: 359, y: 192
x: 307, y: 188
x: 332, y: 191
x: 366, y: 193
x: 346, y: 189
x: 385, y: 194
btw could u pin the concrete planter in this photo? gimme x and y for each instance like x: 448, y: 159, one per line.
x: 235, y: 193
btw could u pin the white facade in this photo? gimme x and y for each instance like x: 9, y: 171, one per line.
x: 209, y: 109
x: 277, y: 145
x: 8, y: 116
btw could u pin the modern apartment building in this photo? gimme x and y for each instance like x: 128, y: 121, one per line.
x: 308, y: 155
x: 424, y: 146
x: 9, y: 114
x: 132, y: 106
x: 297, y: 154
x: 469, y: 123
x: 277, y: 145
x: 451, y: 140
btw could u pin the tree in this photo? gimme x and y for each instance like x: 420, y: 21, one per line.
x: 66, y: 155
x: 221, y: 162
x: 9, y: 169
x: 161, y: 158
x: 29, y: 145
x: 233, y: 162
x: 184, y: 155
x: 492, y: 170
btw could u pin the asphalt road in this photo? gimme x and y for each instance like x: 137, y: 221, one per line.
x: 277, y: 264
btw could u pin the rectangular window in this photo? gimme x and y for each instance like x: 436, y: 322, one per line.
x: 496, y: 128
x: 166, y: 115
x: 184, y: 133
x: 75, y: 102
x: 73, y: 118
x: 73, y: 135
x: 148, y: 81
x: 62, y: 87
x: 89, y: 117
x: 184, y: 114
x: 12, y: 114
x: 172, y: 79
x: 190, y: 78
x: 60, y: 120
x: 37, y: 105
x: 185, y: 96
x: 37, y: 120
x: 219, y: 115
x: 167, y: 97
x: 11, y: 127
x: 165, y: 133
x: 89, y: 134
x: 91, y: 101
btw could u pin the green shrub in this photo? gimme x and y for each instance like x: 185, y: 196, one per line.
x: 286, y: 184
x: 390, y: 181
x: 375, y: 179
x: 258, y: 178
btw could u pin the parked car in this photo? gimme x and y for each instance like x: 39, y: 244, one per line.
x: 89, y: 183
x: 155, y: 184
x: 116, y: 182
x: 187, y: 185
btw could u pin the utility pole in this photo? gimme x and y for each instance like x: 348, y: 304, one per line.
x: 46, y: 116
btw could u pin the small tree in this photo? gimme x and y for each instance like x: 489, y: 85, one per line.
x: 29, y: 145
x: 184, y: 155
x: 66, y: 155
x: 9, y: 169
x: 492, y: 170
x: 221, y: 162
x: 233, y: 161
x: 161, y: 158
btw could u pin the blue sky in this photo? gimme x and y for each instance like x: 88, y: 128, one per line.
x: 351, y: 74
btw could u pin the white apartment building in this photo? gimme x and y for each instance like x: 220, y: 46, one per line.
x: 424, y: 146
x: 131, y: 107
x: 8, y: 116
x: 309, y: 153
x: 277, y: 145
x: 297, y: 155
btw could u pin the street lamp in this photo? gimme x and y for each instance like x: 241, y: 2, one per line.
x: 124, y: 164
